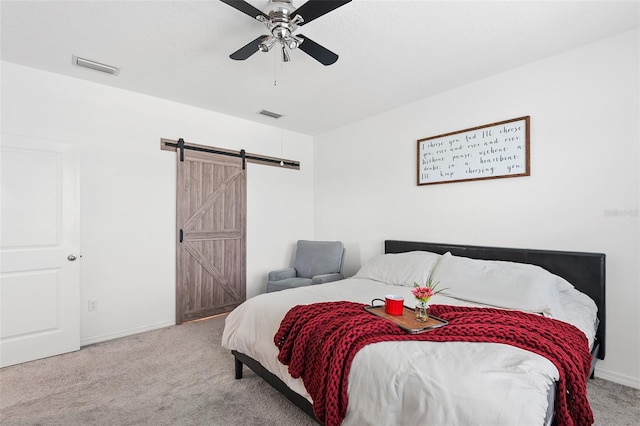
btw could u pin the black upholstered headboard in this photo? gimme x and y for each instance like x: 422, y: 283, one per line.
x: 586, y: 271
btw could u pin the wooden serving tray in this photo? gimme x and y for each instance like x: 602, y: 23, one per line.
x: 407, y: 321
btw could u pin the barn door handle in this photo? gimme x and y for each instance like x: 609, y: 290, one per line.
x: 181, y: 235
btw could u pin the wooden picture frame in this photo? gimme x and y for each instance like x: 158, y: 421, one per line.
x: 492, y: 151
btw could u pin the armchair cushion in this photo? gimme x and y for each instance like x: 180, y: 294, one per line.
x: 326, y: 278
x: 318, y: 257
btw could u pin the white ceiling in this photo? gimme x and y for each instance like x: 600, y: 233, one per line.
x: 391, y: 52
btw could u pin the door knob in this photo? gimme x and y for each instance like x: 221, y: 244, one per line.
x: 71, y: 257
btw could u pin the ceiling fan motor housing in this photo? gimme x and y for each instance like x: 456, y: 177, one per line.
x: 280, y: 25
x: 280, y: 5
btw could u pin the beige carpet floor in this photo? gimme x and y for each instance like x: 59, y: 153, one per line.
x: 182, y: 376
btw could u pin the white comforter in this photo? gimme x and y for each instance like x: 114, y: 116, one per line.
x: 411, y: 383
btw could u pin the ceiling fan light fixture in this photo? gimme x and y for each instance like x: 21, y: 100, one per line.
x: 293, y: 42
x: 285, y: 54
x: 267, y: 44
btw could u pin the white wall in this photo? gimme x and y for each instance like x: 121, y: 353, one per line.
x: 584, y: 108
x: 128, y: 190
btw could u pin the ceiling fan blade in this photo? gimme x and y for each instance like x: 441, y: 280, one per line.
x: 247, y: 50
x: 317, y: 52
x: 244, y: 7
x: 316, y: 8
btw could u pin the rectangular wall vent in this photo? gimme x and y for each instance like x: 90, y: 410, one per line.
x: 97, y: 66
x: 270, y: 114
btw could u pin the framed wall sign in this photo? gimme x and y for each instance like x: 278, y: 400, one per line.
x: 496, y: 150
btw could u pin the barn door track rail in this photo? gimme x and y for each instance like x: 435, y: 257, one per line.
x: 180, y: 145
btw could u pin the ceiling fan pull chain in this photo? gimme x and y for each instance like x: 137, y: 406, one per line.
x: 275, y: 70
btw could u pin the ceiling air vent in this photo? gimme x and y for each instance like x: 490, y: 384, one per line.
x: 270, y: 114
x: 97, y: 66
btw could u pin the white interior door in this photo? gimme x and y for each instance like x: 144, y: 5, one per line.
x: 39, y: 240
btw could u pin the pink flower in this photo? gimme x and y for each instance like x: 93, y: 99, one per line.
x: 425, y: 293
x: 422, y: 293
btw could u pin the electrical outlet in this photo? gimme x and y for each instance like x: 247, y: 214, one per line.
x: 93, y: 305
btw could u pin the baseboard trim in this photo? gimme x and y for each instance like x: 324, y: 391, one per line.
x: 103, y: 338
x: 617, y: 378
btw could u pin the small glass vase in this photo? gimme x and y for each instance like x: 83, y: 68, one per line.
x: 422, y: 311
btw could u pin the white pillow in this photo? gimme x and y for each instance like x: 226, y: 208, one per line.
x: 400, y: 268
x: 581, y: 311
x: 561, y: 283
x: 499, y: 283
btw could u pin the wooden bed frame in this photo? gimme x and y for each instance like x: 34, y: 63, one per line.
x: 586, y: 271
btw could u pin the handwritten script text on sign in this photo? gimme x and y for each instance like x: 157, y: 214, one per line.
x: 483, y: 153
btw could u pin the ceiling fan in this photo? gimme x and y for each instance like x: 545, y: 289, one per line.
x: 282, y: 20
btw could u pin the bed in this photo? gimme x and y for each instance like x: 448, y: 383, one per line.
x: 437, y: 382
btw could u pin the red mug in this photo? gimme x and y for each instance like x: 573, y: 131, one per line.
x: 393, y: 304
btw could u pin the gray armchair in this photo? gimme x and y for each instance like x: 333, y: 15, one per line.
x: 316, y: 262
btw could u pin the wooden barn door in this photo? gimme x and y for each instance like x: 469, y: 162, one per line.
x: 211, y: 220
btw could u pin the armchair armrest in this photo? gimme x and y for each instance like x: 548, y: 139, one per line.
x: 282, y: 274
x: 325, y: 278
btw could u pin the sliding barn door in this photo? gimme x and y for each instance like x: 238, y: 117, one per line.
x: 211, y: 219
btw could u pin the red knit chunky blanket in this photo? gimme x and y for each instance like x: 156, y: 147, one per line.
x: 319, y: 341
